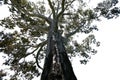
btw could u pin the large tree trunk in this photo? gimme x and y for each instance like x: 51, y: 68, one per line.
x: 57, y: 65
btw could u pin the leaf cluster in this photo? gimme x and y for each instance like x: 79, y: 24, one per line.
x: 108, y: 9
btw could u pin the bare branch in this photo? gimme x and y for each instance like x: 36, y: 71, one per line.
x: 58, y: 7
x: 35, y: 47
x: 38, y: 53
x: 41, y: 45
x: 63, y: 8
x: 52, y: 8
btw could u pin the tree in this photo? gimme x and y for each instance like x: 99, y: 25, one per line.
x: 47, y: 32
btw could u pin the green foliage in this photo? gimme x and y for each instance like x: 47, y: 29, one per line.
x: 32, y: 21
x: 107, y: 9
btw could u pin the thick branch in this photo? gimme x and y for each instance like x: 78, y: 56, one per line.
x: 52, y: 8
x: 58, y: 7
x: 64, y: 7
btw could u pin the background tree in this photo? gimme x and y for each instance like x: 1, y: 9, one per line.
x: 25, y: 47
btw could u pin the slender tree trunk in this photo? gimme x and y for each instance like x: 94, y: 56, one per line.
x: 57, y: 65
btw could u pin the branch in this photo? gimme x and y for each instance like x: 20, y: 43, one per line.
x: 76, y: 30
x: 38, y: 53
x: 23, y: 9
x: 40, y: 16
x: 41, y: 44
x: 58, y: 7
x: 52, y: 8
x: 36, y: 15
x: 64, y: 7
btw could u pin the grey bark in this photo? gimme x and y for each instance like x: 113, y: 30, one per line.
x: 62, y: 68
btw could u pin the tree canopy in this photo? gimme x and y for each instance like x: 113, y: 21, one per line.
x: 25, y: 47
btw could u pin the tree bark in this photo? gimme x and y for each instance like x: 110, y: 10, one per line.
x: 57, y: 65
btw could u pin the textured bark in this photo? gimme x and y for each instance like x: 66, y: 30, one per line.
x: 57, y: 65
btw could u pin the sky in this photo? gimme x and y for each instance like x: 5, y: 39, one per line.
x: 105, y: 64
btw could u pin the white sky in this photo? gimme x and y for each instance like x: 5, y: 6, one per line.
x: 105, y: 64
